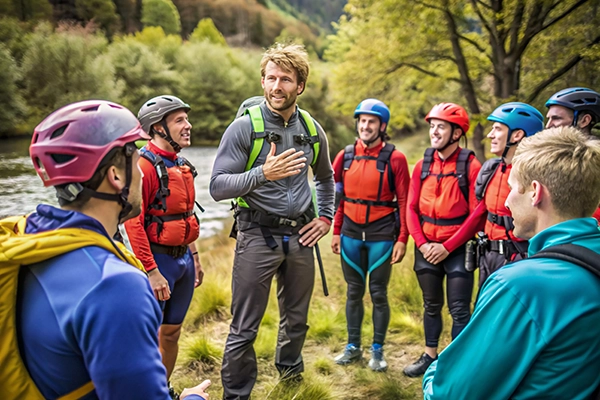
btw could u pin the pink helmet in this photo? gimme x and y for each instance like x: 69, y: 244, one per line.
x: 69, y: 145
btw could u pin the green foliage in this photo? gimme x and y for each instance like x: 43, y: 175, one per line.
x: 206, y: 30
x: 212, y: 301
x: 324, y: 366
x: 143, y: 70
x: 12, y: 105
x: 215, y: 80
x: 312, y: 388
x: 64, y: 66
x: 26, y: 10
x: 166, y: 45
x: 102, y: 12
x: 15, y: 36
x: 326, y: 323
x: 161, y: 13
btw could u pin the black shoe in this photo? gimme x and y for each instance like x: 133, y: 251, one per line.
x: 419, y: 367
x: 174, y: 395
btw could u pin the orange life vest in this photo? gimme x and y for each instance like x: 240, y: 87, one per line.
x: 170, y: 218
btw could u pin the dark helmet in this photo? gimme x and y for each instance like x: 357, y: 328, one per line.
x: 249, y: 102
x: 518, y: 115
x: 374, y: 107
x: 578, y: 99
x: 154, y: 110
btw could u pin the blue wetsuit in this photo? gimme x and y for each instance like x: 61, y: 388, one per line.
x: 87, y: 315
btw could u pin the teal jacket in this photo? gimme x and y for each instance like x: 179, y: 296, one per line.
x: 535, y: 331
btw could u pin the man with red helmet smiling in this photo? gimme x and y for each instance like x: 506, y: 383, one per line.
x: 440, y: 198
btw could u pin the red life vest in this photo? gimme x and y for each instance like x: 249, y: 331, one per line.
x: 170, y: 218
x: 369, y: 192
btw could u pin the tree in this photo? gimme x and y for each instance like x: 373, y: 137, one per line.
x: 63, y: 66
x: 26, y: 10
x: 161, y: 13
x: 479, y: 53
x: 12, y: 105
x: 206, y: 30
x: 166, y: 45
x: 102, y: 12
x: 142, y: 70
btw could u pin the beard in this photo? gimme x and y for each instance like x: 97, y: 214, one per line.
x: 289, y: 101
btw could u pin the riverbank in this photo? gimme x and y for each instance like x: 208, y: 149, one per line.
x: 207, y: 324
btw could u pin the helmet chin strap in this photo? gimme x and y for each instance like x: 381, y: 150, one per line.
x: 371, y: 141
x: 451, y: 141
x: 167, y: 136
x: 508, y: 145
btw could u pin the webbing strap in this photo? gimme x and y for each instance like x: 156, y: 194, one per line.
x: 502, y: 220
x: 79, y: 393
x: 312, y: 131
x: 443, y: 221
x: 258, y: 126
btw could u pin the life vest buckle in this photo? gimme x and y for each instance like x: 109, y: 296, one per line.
x: 288, y: 222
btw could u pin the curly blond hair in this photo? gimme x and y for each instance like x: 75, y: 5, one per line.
x: 567, y: 162
x: 290, y: 57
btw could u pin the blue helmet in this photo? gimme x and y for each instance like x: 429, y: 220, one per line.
x: 518, y: 115
x: 374, y: 107
x: 577, y: 99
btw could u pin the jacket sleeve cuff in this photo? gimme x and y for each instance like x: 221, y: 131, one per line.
x: 326, y: 220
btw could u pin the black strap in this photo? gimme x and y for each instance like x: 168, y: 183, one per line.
x: 161, y: 219
x: 391, y: 204
x: 184, y: 161
x: 502, y: 220
x: 461, y: 173
x: 575, y: 254
x: 160, y: 200
x: 443, y: 221
x: 485, y: 175
x: 348, y: 156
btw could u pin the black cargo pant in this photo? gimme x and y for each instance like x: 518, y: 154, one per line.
x: 491, y: 261
x: 254, y: 267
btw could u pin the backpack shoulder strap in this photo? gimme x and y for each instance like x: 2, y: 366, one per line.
x: 311, y: 127
x: 385, y: 155
x: 575, y: 254
x: 184, y: 161
x: 485, y: 175
x: 462, y: 171
x: 160, y: 200
x: 348, y: 156
x: 427, y: 161
x: 258, y: 134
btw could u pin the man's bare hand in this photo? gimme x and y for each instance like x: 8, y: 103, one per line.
x: 200, y: 390
x: 199, y: 271
x: 159, y: 285
x: 398, y: 252
x: 288, y: 163
x: 313, y: 231
x: 335, y: 244
x: 424, y: 248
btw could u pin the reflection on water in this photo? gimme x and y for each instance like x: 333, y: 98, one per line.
x: 21, y: 189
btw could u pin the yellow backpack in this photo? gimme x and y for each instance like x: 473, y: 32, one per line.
x: 18, y: 249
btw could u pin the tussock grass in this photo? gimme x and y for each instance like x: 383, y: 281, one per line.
x: 326, y: 323
x: 324, y: 366
x: 199, y: 349
x: 311, y: 388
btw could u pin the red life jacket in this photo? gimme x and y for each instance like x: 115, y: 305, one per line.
x: 444, y: 201
x: 170, y: 218
x: 369, y: 192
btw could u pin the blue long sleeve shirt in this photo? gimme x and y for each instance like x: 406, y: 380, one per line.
x: 535, y: 331
x: 87, y: 315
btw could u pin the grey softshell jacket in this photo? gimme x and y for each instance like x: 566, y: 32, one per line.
x: 289, y: 197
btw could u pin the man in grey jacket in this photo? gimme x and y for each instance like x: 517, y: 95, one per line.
x: 262, y: 161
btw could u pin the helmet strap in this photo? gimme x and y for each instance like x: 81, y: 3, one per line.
x: 167, y: 136
x: 451, y: 141
x: 508, y: 145
x: 381, y: 135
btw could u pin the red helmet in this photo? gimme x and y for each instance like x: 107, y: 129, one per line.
x: 69, y: 145
x: 452, y: 113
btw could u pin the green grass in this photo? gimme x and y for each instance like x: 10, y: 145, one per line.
x: 199, y: 349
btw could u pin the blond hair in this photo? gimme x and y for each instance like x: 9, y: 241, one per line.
x: 567, y: 162
x: 290, y: 57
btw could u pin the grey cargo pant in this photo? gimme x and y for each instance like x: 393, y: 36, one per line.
x: 254, y: 266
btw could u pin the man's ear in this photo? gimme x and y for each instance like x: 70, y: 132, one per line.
x: 301, y: 86
x: 382, y: 127
x: 517, y: 135
x: 115, y: 178
x: 457, y: 133
x: 584, y: 120
x: 537, y: 194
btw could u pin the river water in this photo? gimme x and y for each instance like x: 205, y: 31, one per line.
x: 21, y: 190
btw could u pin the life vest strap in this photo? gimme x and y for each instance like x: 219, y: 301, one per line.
x: 443, y: 221
x: 381, y: 203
